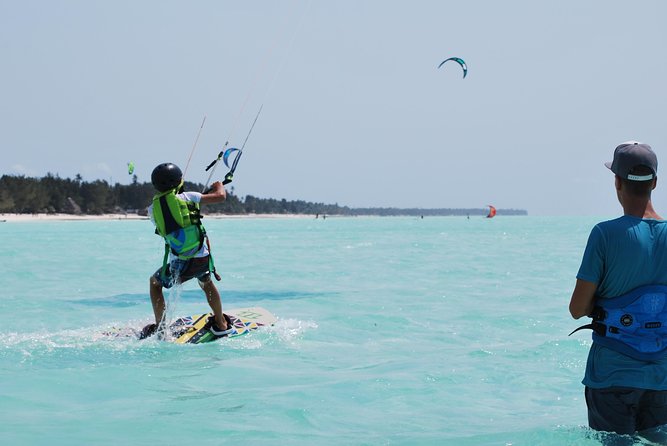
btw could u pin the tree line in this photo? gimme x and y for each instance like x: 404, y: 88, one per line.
x: 54, y: 195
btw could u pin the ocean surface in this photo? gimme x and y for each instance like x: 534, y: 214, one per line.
x: 391, y: 331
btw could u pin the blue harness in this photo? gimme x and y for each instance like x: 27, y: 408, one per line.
x: 634, y: 324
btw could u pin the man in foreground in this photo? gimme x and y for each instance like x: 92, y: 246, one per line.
x: 622, y: 285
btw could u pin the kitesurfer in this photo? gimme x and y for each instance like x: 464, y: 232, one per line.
x: 626, y: 372
x: 187, y: 255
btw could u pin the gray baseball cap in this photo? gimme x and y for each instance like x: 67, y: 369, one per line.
x: 631, y: 154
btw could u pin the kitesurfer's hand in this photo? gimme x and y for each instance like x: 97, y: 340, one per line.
x: 215, y: 194
x: 211, y: 188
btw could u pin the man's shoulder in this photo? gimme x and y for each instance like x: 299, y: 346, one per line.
x: 626, y: 221
x: 610, y: 228
x: 632, y: 228
x: 623, y: 221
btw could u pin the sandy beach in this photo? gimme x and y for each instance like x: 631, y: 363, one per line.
x: 9, y: 218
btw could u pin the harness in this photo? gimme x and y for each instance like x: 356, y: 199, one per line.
x: 178, y: 221
x: 634, y: 324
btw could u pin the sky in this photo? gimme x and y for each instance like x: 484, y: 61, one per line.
x: 355, y: 110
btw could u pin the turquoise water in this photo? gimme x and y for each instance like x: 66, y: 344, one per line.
x: 392, y: 331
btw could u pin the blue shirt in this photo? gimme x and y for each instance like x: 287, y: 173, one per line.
x: 621, y: 255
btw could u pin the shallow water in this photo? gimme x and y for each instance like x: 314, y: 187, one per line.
x: 392, y: 331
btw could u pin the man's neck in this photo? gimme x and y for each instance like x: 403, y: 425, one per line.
x: 640, y: 209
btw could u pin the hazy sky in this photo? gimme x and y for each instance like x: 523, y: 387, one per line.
x: 355, y: 110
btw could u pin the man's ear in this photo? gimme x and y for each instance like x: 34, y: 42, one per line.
x: 617, y: 182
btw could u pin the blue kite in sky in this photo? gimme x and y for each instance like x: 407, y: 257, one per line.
x: 459, y: 61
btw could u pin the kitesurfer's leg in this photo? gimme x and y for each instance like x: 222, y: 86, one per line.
x: 214, y: 301
x: 157, y: 300
x: 652, y: 416
x: 613, y: 409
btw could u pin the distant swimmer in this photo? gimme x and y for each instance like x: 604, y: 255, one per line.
x: 622, y: 285
x: 176, y: 216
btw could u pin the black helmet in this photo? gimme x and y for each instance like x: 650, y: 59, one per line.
x: 166, y: 176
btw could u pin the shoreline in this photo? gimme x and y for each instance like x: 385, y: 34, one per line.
x: 10, y: 218
x: 22, y: 218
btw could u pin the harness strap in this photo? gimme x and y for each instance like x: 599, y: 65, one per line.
x: 634, y: 324
x: 211, y: 264
x: 598, y: 315
x: 165, y: 261
x: 597, y: 327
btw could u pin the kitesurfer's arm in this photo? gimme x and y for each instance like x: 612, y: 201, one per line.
x: 216, y: 194
x: 583, y: 299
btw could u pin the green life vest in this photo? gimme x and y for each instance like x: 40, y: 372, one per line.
x: 179, y: 222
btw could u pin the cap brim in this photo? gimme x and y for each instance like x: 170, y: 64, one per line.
x: 608, y: 164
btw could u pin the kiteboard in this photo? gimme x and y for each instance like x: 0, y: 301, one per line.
x: 196, y: 329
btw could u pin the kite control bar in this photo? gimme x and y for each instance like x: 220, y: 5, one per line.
x: 225, y: 154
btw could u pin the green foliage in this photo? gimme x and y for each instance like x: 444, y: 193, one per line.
x: 6, y: 201
x: 52, y: 194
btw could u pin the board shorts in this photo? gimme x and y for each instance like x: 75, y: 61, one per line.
x: 179, y: 270
x: 626, y: 410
